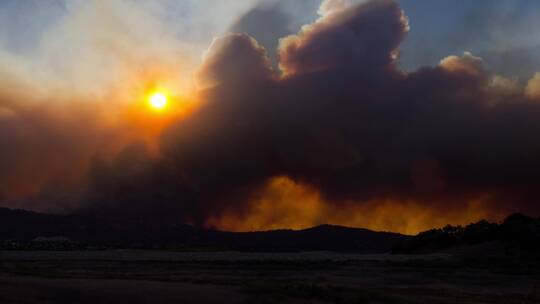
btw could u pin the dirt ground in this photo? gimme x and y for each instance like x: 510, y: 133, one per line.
x: 229, y: 277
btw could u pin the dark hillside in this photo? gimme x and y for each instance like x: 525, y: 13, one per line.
x: 28, y: 230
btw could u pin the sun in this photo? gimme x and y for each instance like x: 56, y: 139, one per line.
x: 158, y: 100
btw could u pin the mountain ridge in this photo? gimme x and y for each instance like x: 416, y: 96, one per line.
x: 21, y: 228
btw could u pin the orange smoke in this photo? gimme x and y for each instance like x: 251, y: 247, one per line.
x: 126, y: 105
x: 51, y: 137
x: 286, y: 204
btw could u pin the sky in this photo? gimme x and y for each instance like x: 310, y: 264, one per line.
x: 397, y: 115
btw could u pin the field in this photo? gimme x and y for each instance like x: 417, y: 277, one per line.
x: 230, y: 277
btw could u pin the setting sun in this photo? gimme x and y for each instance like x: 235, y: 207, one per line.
x: 158, y: 100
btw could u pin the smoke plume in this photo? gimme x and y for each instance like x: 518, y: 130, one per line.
x: 339, y: 134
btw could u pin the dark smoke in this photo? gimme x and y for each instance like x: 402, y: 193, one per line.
x: 343, y: 119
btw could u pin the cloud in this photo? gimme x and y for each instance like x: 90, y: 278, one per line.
x: 335, y: 6
x: 466, y: 64
x: 267, y: 24
x: 503, y: 86
x: 6, y: 114
x: 234, y: 58
x: 363, y: 36
x: 533, y: 87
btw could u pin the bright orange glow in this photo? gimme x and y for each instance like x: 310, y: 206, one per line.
x: 152, y: 108
x: 283, y: 203
x: 158, y: 100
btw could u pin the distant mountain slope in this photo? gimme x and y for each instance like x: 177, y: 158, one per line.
x: 23, y: 229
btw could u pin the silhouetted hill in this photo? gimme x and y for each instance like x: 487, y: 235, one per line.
x: 29, y: 230
x: 517, y: 235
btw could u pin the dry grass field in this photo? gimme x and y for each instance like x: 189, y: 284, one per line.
x: 231, y: 277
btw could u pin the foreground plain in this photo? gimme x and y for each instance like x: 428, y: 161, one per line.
x: 131, y: 276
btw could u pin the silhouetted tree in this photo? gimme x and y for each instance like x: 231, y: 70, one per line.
x: 519, y: 233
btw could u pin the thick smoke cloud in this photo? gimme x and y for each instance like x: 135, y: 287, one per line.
x: 221, y: 65
x: 496, y: 30
x: 268, y: 23
x: 342, y: 120
x: 339, y: 129
x: 69, y: 93
x: 364, y: 37
x: 533, y: 87
x: 46, y: 151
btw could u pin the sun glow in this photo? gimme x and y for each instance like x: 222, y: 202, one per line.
x: 158, y: 100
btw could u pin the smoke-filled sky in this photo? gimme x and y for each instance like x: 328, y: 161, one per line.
x: 385, y: 114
